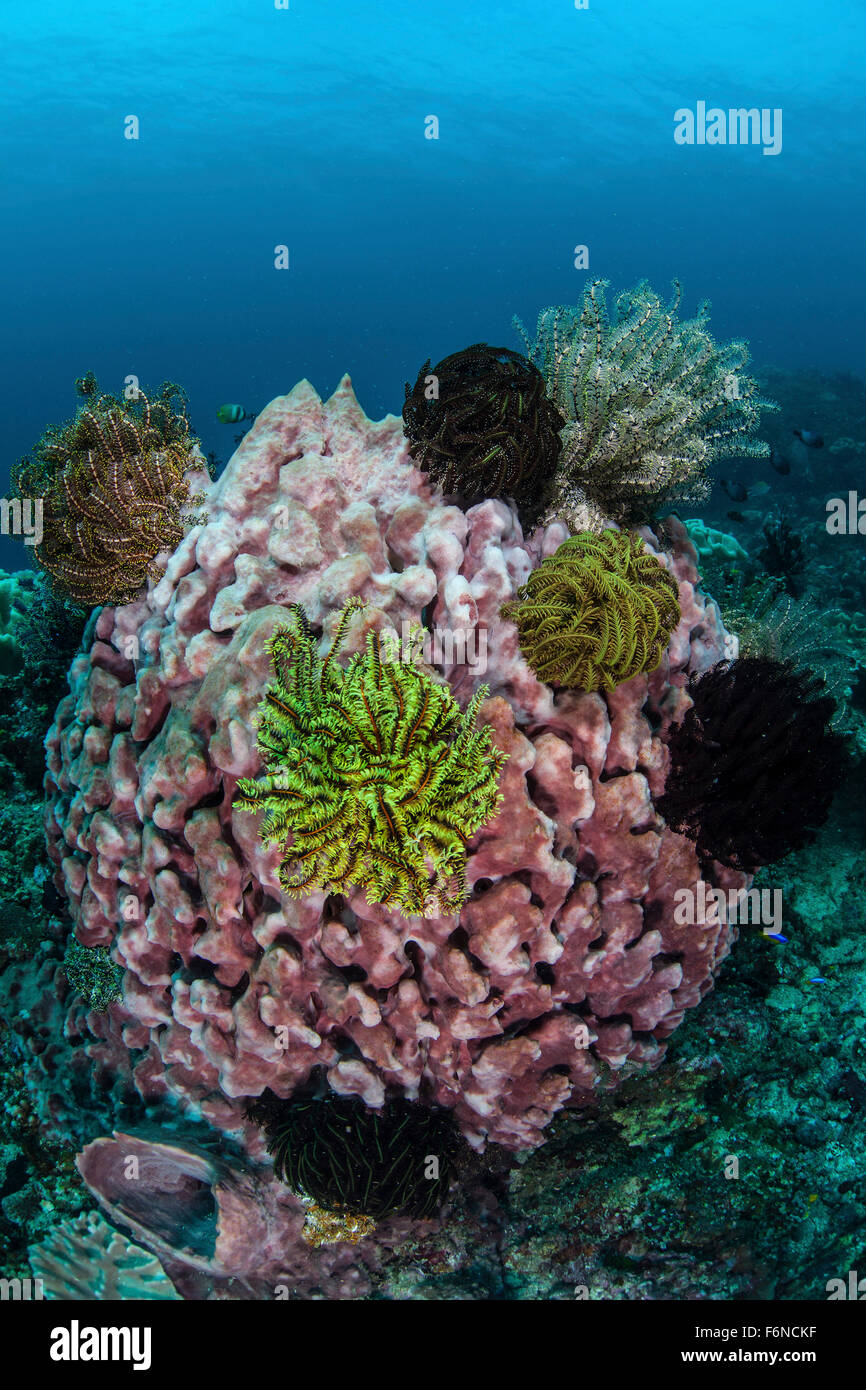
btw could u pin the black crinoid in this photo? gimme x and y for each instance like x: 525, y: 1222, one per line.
x: 782, y: 554
x: 754, y: 763
x: 481, y: 425
x: 354, y: 1160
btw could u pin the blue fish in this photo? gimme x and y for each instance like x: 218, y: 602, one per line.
x: 735, y: 491
x: 810, y: 438
x: 779, y: 462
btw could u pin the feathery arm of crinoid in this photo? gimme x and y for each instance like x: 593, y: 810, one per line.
x: 373, y: 778
x: 595, y: 613
x: 115, y: 487
x: 649, y: 401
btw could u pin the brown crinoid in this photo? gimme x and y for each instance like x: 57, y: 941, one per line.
x: 115, y: 489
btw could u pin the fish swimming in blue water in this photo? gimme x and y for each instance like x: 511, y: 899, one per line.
x: 810, y: 438
x: 233, y: 414
x: 780, y: 463
x: 735, y: 491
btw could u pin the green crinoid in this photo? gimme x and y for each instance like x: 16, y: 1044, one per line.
x: 374, y: 776
x: 597, y: 612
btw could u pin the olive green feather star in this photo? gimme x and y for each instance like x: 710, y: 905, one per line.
x: 597, y: 612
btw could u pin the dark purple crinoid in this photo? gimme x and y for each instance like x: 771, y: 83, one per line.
x: 754, y: 764
x: 481, y: 425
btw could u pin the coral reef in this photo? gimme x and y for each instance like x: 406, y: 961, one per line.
x: 118, y: 485
x: 565, y: 970
x: 630, y: 1197
x: 84, y: 1259
x: 482, y: 426
x: 373, y: 773
x: 633, y: 1200
x: 10, y: 654
x: 42, y: 634
x: 714, y: 547
x: 215, y: 1223
x: 597, y: 612
x: 754, y: 766
x: 39, y: 1184
x: 649, y: 400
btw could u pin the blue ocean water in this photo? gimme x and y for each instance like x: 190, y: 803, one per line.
x: 305, y: 127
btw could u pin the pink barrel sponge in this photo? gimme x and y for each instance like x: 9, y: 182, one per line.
x: 565, y: 970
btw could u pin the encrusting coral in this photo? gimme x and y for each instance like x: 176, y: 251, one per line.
x: 754, y: 763
x: 649, y: 401
x: 597, y: 612
x: 374, y: 775
x: 481, y: 425
x: 117, y: 487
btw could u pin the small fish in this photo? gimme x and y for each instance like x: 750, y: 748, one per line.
x: 818, y: 980
x: 776, y: 936
x: 51, y: 899
x: 735, y: 516
x: 233, y: 414
x: 760, y: 489
x: 780, y: 463
x: 810, y: 438
x: 735, y: 491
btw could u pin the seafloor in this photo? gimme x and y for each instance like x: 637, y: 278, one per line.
x: 638, y: 1198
